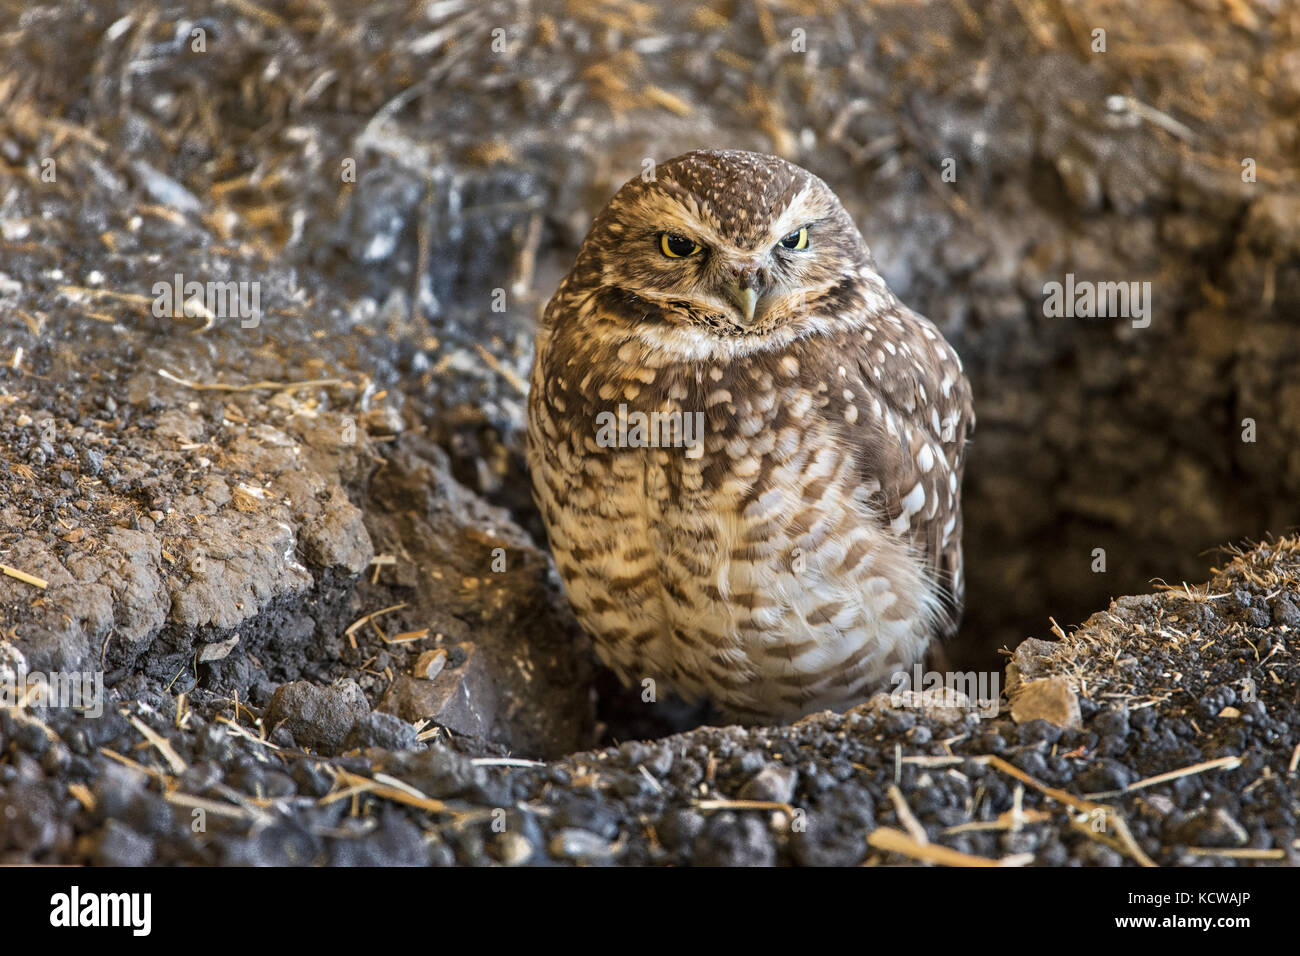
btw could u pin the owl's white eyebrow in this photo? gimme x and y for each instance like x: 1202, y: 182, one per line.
x: 687, y: 217
x: 795, y: 215
x: 690, y: 221
x: 809, y: 224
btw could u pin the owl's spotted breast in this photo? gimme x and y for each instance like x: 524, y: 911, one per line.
x: 766, y: 518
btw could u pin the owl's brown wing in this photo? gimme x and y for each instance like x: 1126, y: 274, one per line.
x: 915, y: 442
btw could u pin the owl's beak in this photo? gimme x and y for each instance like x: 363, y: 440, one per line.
x: 745, y: 297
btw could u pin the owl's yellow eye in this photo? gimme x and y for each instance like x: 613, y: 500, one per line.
x: 796, y: 240
x: 678, y: 247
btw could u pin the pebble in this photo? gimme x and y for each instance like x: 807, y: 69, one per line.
x: 731, y: 839
x: 119, y: 845
x: 513, y: 849
x: 319, y: 718
x: 1212, y: 828
x: 580, y: 846
x: 775, y: 783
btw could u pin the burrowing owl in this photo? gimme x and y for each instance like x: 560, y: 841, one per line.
x: 747, y: 452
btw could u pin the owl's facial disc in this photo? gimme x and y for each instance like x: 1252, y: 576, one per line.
x: 734, y: 245
x: 749, y: 289
x: 704, y: 277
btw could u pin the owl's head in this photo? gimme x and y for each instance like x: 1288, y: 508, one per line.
x: 735, y: 244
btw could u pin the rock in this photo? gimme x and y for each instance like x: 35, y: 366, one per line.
x: 1105, y: 776
x: 1285, y: 611
x: 217, y: 651
x: 116, y: 788
x: 1049, y: 699
x: 1159, y: 805
x: 320, y: 718
x: 1211, y: 828
x: 1036, y: 731
x: 1097, y: 854
x: 439, y: 772
x: 774, y: 783
x: 829, y: 839
x: 730, y: 839
x: 580, y: 846
x: 513, y: 849
x: 430, y: 664
x: 1111, y: 722
x: 396, y: 841
x: 658, y: 760
x: 462, y: 697
x: 119, y: 845
x: 27, y: 819
x: 1030, y: 661
x: 585, y: 811
x: 680, y: 827
x: 381, y: 730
